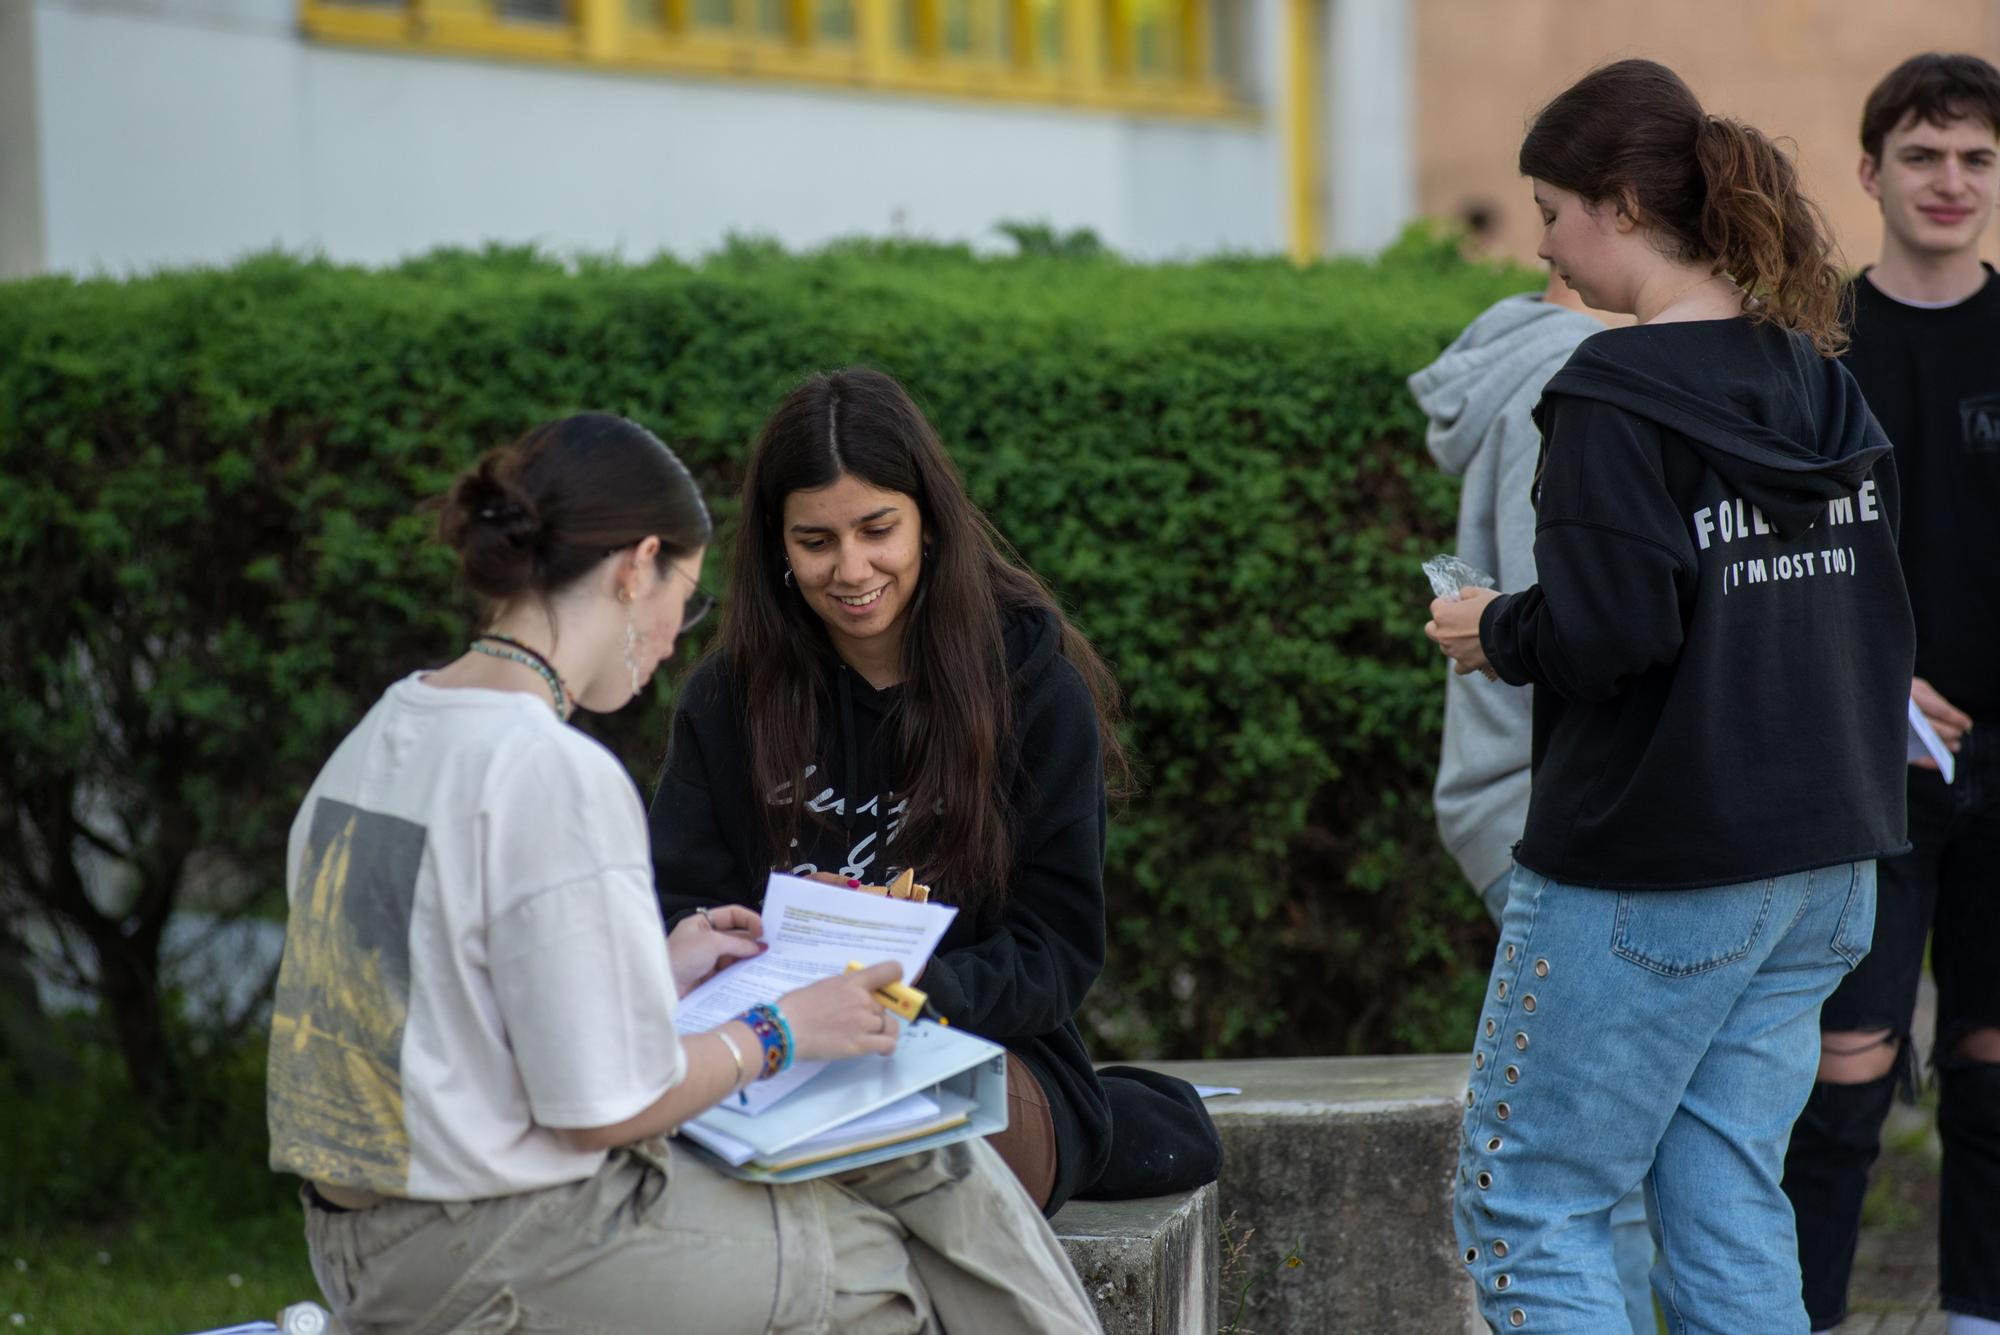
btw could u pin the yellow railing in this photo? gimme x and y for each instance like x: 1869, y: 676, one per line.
x: 1153, y: 56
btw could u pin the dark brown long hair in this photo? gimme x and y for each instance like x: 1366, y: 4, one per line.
x: 955, y: 722
x: 1717, y: 189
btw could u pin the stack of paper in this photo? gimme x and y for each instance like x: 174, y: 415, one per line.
x: 938, y: 1086
x: 812, y: 931
x: 962, y: 1076
x: 906, y: 1119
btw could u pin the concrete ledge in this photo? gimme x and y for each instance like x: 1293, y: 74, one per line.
x: 1354, y: 1155
x: 1149, y: 1265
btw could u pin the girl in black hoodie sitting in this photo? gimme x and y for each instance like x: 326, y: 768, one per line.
x: 1721, y: 647
x: 891, y: 692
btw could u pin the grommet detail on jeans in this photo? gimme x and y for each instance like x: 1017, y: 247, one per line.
x: 1468, y: 1098
x: 1528, y: 1003
x: 1499, y: 1247
x: 1493, y: 1147
x: 1510, y: 952
x: 1502, y: 1283
x: 1541, y: 968
x: 1513, y: 1075
x: 1490, y: 1028
x: 1517, y: 1318
x: 1502, y: 1111
x: 1502, y: 994
x: 1478, y: 1061
x: 1484, y: 1180
x: 1520, y: 1042
x: 1471, y: 1255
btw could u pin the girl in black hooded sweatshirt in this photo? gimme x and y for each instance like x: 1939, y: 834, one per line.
x: 1721, y: 647
x: 890, y: 691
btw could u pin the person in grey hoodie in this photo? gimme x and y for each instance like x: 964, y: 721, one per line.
x: 1480, y: 396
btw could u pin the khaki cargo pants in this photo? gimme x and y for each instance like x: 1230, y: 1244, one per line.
x: 661, y: 1241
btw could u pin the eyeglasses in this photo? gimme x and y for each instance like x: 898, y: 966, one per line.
x: 699, y: 604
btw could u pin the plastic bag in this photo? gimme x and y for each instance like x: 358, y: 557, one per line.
x: 1448, y: 575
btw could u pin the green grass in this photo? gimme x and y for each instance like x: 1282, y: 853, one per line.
x: 118, y: 1220
x: 155, y: 1275
x: 1887, y: 1207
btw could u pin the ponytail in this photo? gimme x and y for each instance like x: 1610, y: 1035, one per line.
x: 1767, y: 235
x: 1718, y: 190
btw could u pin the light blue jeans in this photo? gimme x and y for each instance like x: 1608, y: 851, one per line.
x: 1668, y: 1038
x: 1631, y: 1237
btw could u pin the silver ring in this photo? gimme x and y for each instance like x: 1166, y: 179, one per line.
x: 705, y: 918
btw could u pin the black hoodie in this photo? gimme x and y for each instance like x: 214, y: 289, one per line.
x: 1016, y: 973
x: 1721, y: 630
x: 1932, y: 377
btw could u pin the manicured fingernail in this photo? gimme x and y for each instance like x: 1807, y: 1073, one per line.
x: 853, y: 884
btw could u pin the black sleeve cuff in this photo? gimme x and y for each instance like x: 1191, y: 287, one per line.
x: 1500, y: 642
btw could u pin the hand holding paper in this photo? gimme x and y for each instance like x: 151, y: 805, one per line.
x: 703, y: 943
x: 1927, y: 749
x: 1946, y: 722
x: 811, y: 933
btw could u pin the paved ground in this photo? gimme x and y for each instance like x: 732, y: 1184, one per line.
x: 1895, y: 1267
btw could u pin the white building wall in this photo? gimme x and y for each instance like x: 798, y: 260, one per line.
x: 171, y: 134
x: 1371, y: 108
x: 174, y: 132
x: 20, y: 144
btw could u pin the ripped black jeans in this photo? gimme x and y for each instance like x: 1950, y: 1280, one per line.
x: 1946, y: 890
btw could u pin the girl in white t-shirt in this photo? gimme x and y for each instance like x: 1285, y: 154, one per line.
x: 473, y: 1056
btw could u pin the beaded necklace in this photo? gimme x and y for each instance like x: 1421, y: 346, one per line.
x: 511, y: 649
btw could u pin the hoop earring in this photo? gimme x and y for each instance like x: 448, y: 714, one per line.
x: 788, y: 577
x: 631, y: 641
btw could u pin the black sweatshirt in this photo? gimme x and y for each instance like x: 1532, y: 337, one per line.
x: 1721, y: 635
x: 1932, y: 378
x: 1016, y: 973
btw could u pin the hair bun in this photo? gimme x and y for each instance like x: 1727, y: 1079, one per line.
x: 494, y: 527
x: 516, y: 520
x: 534, y: 517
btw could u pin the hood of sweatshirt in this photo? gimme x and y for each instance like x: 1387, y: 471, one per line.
x: 1785, y: 426
x: 1516, y: 342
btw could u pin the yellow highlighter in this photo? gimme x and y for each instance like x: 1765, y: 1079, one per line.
x: 902, y: 999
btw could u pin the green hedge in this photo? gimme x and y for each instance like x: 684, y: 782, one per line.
x: 212, y: 565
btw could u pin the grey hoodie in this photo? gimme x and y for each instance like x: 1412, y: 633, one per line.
x: 1479, y: 395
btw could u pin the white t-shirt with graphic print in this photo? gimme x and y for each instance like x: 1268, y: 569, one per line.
x: 474, y: 954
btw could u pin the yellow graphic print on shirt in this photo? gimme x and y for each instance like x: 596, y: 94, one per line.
x: 335, y: 1098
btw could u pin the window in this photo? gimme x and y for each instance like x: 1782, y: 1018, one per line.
x: 532, y: 11
x: 1137, y: 55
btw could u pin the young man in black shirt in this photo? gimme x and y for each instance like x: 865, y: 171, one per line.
x: 1926, y: 351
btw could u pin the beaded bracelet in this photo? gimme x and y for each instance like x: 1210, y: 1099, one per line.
x: 769, y: 1024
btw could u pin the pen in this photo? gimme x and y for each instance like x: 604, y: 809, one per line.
x: 906, y: 1001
